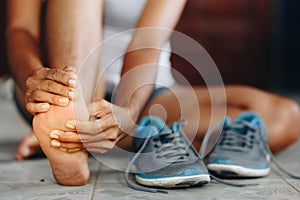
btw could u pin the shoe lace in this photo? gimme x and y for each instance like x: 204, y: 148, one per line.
x: 169, y: 148
x: 234, y: 138
x: 228, y: 140
x: 239, y: 137
x: 273, y: 159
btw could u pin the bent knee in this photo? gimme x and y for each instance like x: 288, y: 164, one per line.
x: 285, y: 128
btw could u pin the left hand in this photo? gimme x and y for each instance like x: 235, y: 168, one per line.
x: 110, y: 124
x: 48, y: 86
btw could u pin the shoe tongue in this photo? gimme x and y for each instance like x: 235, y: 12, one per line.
x: 165, y: 138
x: 251, y: 118
x: 158, y: 123
x: 175, y: 127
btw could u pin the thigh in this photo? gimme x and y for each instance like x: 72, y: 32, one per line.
x: 194, y: 104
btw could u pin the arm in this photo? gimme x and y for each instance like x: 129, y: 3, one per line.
x: 153, y: 31
x: 33, y: 81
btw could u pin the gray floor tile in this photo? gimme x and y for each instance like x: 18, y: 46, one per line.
x: 111, y: 185
x: 34, y: 180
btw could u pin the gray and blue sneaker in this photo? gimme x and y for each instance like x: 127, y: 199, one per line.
x: 164, y: 157
x: 241, y: 149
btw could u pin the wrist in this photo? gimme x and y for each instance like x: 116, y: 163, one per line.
x: 134, y: 112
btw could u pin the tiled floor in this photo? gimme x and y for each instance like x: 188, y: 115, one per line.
x: 32, y: 179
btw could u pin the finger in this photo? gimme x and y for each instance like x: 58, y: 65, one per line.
x: 101, y: 106
x: 73, y: 150
x: 35, y: 108
x: 68, y: 145
x: 110, y: 134
x: 70, y: 69
x: 63, y: 136
x: 105, y: 144
x: 66, y: 136
x: 97, y: 150
x: 65, y: 77
x: 70, y: 150
x: 106, y: 122
x: 42, y: 96
x: 57, y: 88
x: 88, y: 127
x: 94, y: 150
x: 92, y: 127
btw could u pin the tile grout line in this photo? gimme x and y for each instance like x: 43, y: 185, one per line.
x: 96, y: 179
x: 284, y: 180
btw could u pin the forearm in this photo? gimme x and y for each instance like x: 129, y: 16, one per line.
x: 138, y: 80
x: 140, y: 65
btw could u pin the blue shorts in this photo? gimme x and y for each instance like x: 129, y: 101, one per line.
x: 28, y: 118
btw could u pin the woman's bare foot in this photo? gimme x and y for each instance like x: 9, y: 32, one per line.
x: 67, y: 168
x: 29, y: 146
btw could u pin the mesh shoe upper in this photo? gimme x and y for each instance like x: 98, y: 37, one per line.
x: 167, y: 154
x: 241, y: 144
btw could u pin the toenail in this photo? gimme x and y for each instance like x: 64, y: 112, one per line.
x: 26, y: 152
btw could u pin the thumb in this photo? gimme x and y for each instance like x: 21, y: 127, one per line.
x: 100, y: 107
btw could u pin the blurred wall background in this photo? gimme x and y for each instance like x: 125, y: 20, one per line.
x: 286, y: 46
x: 3, y: 61
x: 254, y: 42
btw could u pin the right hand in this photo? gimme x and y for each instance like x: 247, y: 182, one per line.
x: 50, y: 86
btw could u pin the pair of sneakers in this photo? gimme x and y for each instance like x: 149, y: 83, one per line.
x: 164, y: 157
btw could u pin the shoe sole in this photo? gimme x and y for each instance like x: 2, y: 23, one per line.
x: 173, y: 182
x: 232, y: 171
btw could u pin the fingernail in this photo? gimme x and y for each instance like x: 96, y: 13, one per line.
x: 55, y: 143
x: 72, y: 82
x: 45, y: 106
x: 72, y: 94
x: 63, y: 100
x: 71, y: 124
x: 54, y: 135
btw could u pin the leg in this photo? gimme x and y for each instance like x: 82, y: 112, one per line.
x: 67, y: 45
x: 73, y: 30
x: 281, y: 115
